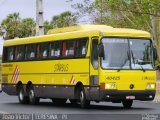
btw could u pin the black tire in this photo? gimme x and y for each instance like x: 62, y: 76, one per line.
x: 84, y: 103
x: 23, y: 99
x: 57, y: 101
x: 32, y: 98
x: 127, y: 104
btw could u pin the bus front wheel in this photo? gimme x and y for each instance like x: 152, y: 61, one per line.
x: 82, y: 98
x: 127, y: 103
x: 21, y: 95
x: 32, y: 98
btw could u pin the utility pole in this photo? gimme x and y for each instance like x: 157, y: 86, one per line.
x: 39, y: 18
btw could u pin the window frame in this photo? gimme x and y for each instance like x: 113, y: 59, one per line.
x: 49, y: 57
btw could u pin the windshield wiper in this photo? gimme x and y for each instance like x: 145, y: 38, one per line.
x: 142, y: 68
x: 134, y: 62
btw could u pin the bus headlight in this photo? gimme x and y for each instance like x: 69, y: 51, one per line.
x: 151, y: 86
x: 110, y: 86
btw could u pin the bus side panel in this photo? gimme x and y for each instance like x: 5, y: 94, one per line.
x: 50, y: 78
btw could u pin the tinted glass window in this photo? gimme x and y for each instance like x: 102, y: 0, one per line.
x: 94, y: 55
x: 81, y: 47
x: 70, y: 50
x: 44, y: 50
x: 19, y: 52
x: 55, y: 49
x: 30, y: 51
x: 8, y: 54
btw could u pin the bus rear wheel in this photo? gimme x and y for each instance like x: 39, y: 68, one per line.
x: 84, y: 103
x: 21, y: 95
x: 127, y: 104
x: 32, y: 98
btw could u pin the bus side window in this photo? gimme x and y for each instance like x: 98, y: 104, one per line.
x: 30, y: 52
x: 8, y: 54
x: 43, y: 50
x: 70, y: 48
x: 81, y: 49
x: 19, y: 53
x: 55, y: 49
x: 94, y: 53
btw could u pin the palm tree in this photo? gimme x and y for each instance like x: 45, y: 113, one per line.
x: 11, y: 26
x: 27, y: 27
x: 64, y: 19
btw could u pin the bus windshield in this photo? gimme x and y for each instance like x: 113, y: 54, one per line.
x: 124, y: 53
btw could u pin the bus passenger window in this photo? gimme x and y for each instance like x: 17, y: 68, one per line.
x: 55, y: 49
x: 94, y: 54
x: 44, y: 50
x: 81, y: 47
x: 19, y: 53
x: 30, y: 51
x: 10, y: 54
x: 70, y: 48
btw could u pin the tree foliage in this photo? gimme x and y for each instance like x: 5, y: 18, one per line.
x: 47, y: 26
x: 13, y: 26
x: 10, y: 26
x: 138, y: 14
x: 64, y: 19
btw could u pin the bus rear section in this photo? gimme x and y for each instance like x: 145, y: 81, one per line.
x: 126, y: 71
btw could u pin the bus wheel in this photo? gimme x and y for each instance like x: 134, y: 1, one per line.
x: 59, y: 101
x: 127, y: 103
x: 82, y: 98
x: 21, y: 96
x: 32, y: 98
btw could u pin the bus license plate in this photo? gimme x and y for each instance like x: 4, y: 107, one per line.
x: 130, y: 97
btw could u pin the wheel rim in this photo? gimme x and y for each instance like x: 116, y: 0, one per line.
x: 21, y: 96
x: 31, y: 95
x: 81, y: 96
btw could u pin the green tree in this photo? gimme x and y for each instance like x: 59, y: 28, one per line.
x: 47, y: 26
x: 64, y: 19
x: 11, y: 26
x: 27, y: 27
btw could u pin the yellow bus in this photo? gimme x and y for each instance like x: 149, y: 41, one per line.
x: 81, y: 63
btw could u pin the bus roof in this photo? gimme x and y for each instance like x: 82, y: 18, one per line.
x: 78, y: 28
x: 80, y: 32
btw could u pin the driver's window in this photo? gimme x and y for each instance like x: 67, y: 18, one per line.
x: 94, y: 54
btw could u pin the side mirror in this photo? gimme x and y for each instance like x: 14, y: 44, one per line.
x: 101, y: 50
x: 155, y: 53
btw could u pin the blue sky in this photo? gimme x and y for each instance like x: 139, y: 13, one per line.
x: 27, y: 8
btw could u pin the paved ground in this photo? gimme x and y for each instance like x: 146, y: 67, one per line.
x: 157, y: 98
x: 9, y: 104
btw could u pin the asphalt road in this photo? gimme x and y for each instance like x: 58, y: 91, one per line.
x: 97, y: 111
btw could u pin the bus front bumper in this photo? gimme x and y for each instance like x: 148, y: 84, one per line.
x: 115, y: 95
